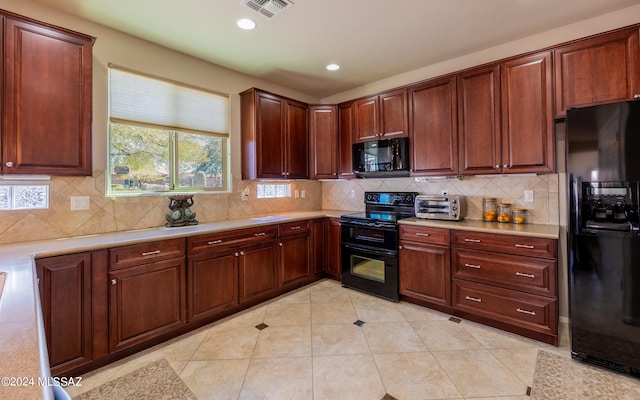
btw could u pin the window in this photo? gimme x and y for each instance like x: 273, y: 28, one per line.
x: 24, y: 197
x: 273, y: 190
x: 165, y: 137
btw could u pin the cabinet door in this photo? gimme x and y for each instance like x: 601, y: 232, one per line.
x: 258, y: 271
x: 47, y: 100
x: 527, y: 115
x: 479, y: 138
x: 297, y: 141
x: 334, y: 266
x: 146, y: 301
x: 432, y: 118
x: 346, y: 121
x: 596, y: 70
x: 392, y: 114
x: 270, y: 145
x: 425, y: 272
x: 65, y: 292
x: 366, y: 119
x: 323, y: 132
x: 319, y: 240
x: 295, y: 259
x: 212, y: 283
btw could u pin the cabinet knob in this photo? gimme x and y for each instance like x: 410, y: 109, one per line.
x: 497, y: 166
x: 9, y: 164
x: 237, y: 254
x: 399, y: 247
x: 636, y: 96
x: 242, y: 253
x: 113, y: 281
x: 280, y: 244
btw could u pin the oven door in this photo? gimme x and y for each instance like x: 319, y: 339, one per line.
x: 370, y: 236
x: 372, y: 270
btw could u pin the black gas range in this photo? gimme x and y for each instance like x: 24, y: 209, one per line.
x: 370, y: 243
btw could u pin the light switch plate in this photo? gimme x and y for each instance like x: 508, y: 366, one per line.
x: 528, y: 196
x: 80, y: 203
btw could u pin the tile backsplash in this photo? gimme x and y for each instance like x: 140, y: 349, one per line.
x: 112, y: 214
x: 109, y: 214
x: 349, y: 195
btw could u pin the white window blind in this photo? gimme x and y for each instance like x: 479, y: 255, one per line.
x: 143, y: 99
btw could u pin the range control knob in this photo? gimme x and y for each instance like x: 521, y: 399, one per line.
x: 454, y: 201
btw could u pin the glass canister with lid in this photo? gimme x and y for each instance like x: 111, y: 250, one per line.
x: 489, y: 210
x: 504, y: 212
x: 519, y: 215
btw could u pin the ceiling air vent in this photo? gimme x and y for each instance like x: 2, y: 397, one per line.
x: 270, y: 8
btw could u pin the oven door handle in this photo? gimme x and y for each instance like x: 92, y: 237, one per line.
x: 370, y: 250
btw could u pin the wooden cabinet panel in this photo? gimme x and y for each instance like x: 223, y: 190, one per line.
x: 212, y: 284
x: 295, y: 259
x: 297, y: 141
x: 479, y: 133
x: 65, y: 292
x: 319, y: 242
x: 258, y: 271
x: 535, y: 313
x: 294, y: 228
x: 346, y: 121
x: 146, y: 301
x: 222, y: 240
x: 528, y: 274
x: 47, y: 84
x: 323, y: 133
x: 136, y: 254
x: 366, y: 119
x: 596, y: 70
x: 425, y: 273
x: 381, y: 116
x: 334, y: 263
x: 274, y: 136
x: 511, y: 244
x: 433, y: 126
x: 527, y: 114
x: 424, y: 234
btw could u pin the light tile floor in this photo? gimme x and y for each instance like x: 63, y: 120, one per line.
x: 312, y: 349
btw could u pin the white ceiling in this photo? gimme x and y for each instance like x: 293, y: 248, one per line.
x: 370, y: 39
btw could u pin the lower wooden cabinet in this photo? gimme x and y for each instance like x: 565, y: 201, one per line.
x: 146, y: 301
x: 65, y: 294
x: 334, y: 266
x: 319, y: 243
x: 258, y: 271
x: 212, y: 285
x: 295, y: 253
x: 425, y: 272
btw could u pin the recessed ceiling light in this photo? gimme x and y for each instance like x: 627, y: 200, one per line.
x: 246, y: 24
x: 333, y: 67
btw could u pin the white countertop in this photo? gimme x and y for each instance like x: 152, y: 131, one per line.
x: 22, y: 343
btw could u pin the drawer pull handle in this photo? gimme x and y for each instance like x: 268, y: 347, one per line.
x: 422, y: 234
x: 472, y: 266
x: 472, y: 240
x: 520, y: 310
x: 150, y: 253
x: 525, y: 246
x: 476, y: 299
x: 294, y: 228
x: 215, y: 241
x: 259, y: 234
x: 525, y: 275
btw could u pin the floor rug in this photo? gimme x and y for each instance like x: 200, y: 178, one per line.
x: 156, y: 381
x: 560, y: 378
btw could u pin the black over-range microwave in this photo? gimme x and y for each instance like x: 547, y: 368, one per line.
x: 381, y: 158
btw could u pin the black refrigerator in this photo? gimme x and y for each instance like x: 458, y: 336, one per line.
x: 603, y: 166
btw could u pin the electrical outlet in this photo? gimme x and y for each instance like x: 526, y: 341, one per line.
x: 528, y: 196
x: 352, y: 193
x: 303, y: 193
x: 296, y: 194
x: 80, y: 203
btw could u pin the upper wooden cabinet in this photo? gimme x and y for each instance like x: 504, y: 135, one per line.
x: 433, y: 127
x: 600, y: 69
x: 274, y: 131
x: 323, y: 134
x: 505, y: 117
x: 46, y: 99
x: 346, y: 122
x: 479, y: 133
x: 381, y: 116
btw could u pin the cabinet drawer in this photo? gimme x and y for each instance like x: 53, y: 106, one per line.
x: 214, y: 241
x: 519, y: 245
x: 127, y: 256
x: 294, y: 228
x: 525, y: 310
x: 424, y: 234
x: 533, y: 275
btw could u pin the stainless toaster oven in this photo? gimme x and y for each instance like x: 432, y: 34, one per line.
x: 440, y: 207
